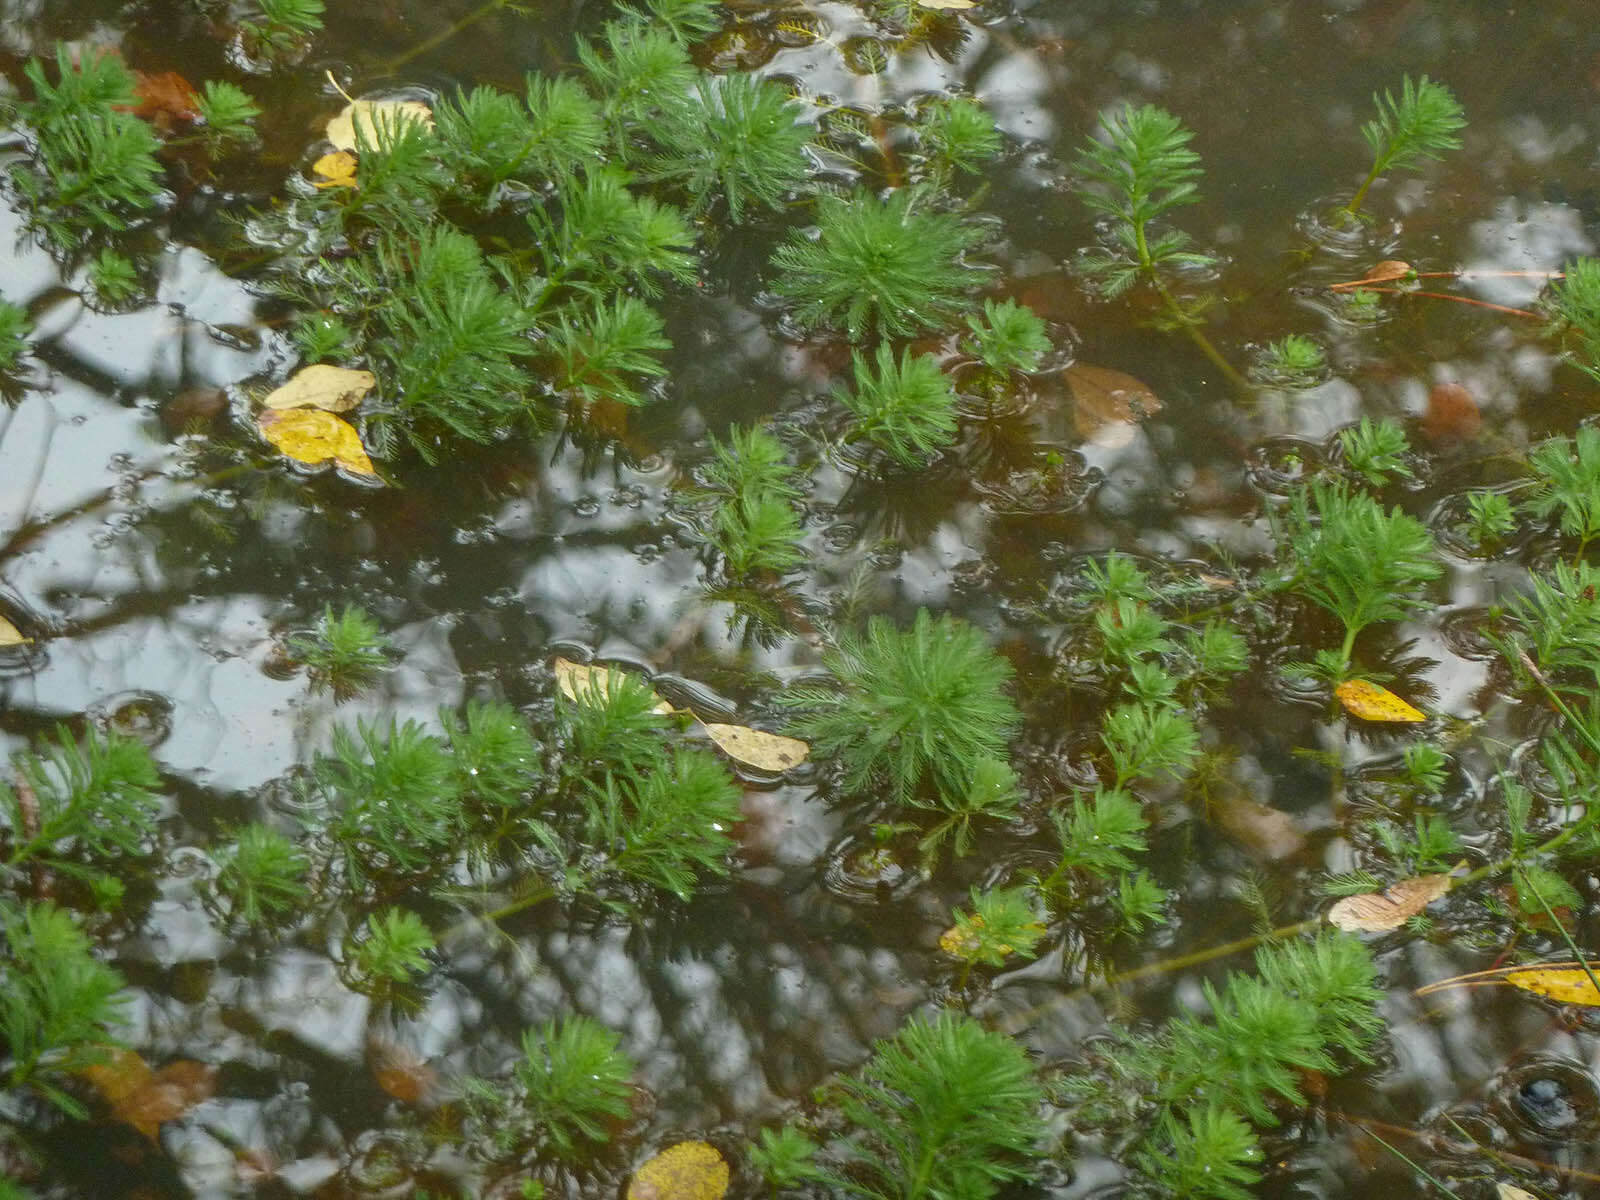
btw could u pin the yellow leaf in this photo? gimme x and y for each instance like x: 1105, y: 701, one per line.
x: 1373, y: 912
x: 1504, y: 1191
x: 1373, y: 703
x: 378, y: 121
x: 10, y: 635
x: 337, y: 170
x: 311, y: 436
x: 686, y: 1171
x: 755, y: 748
x: 944, y: 4
x: 584, y: 684
x: 1569, y: 985
x: 332, y: 389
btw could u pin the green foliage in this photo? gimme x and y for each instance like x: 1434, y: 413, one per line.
x: 1557, y: 622
x: 1567, y: 484
x: 227, y: 112
x: 262, y: 876
x: 1138, y: 168
x: 752, y: 522
x: 279, y: 26
x: 602, y: 351
x: 957, y: 135
x: 1489, y: 518
x: 638, y: 71
x: 1419, y: 126
x: 392, y: 948
x: 93, y: 168
x: 784, y: 1157
x: 992, y: 794
x: 320, y: 336
x: 608, y: 239
x: 744, y: 141
x: 1376, y: 449
x: 1292, y: 361
x: 1002, y: 923
x: 613, y: 730
x: 58, y: 1003
x: 1430, y: 845
x: 893, y: 266
x: 115, y: 279
x: 1573, y: 304
x: 1218, y: 649
x: 1208, y: 1157
x: 1425, y: 767
x: 495, y: 759
x: 398, y: 814
x: 687, y: 20
x: 566, y: 128
x: 14, y: 330
x: 1008, y: 337
x: 944, y: 1110
x: 1356, y: 560
x: 1148, y: 741
x: 1118, y: 577
x: 79, y: 807
x: 906, y: 409
x: 343, y: 653
x: 1100, y: 834
x: 574, y: 1082
x: 912, y: 709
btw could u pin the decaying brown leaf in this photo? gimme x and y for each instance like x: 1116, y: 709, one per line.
x: 581, y: 683
x: 1268, y: 831
x: 332, y: 389
x: 1569, y: 985
x: 401, y: 1072
x: 685, y: 1171
x: 1374, y: 912
x: 337, y: 170
x: 165, y: 98
x: 147, y: 1099
x: 1386, y: 271
x: 1107, y: 404
x: 312, y: 436
x: 1373, y: 703
x: 757, y: 748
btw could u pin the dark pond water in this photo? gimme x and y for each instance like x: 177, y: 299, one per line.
x: 164, y: 603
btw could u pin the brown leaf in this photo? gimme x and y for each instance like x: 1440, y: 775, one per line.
x: 1569, y: 985
x: 1373, y: 912
x: 165, y: 99
x: 147, y: 1099
x: 685, y: 1171
x: 1107, y: 404
x: 1453, y: 415
x: 1268, y: 831
x: 756, y: 748
x: 1373, y: 703
x: 1386, y: 271
x: 401, y: 1072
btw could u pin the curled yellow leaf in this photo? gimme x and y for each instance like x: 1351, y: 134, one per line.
x: 10, y: 635
x: 312, y: 436
x: 337, y: 170
x: 332, y: 389
x: 1373, y: 703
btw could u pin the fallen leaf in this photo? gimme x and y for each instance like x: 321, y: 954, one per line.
x: 1268, y: 831
x: 1453, y: 415
x: 165, y: 99
x: 685, y: 1171
x: 1569, y: 985
x: 947, y: 4
x: 1373, y: 703
x: 401, y: 1073
x: 756, y: 748
x: 1107, y: 404
x: 580, y: 683
x: 1504, y: 1191
x: 332, y: 389
x: 10, y: 635
x: 147, y: 1099
x: 1386, y: 271
x: 337, y: 170
x: 312, y: 436
x: 378, y: 121
x: 1373, y: 912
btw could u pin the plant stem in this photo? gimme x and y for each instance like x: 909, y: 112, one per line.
x: 1353, y: 209
x: 438, y: 39
x: 1196, y: 334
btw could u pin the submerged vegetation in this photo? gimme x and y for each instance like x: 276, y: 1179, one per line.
x: 504, y: 262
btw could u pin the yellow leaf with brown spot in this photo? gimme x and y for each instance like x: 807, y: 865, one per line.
x: 756, y: 748
x: 686, y: 1171
x: 585, y: 684
x: 378, y: 121
x: 1373, y: 703
x: 1373, y: 912
x: 312, y: 436
x: 1569, y: 985
x: 337, y: 170
x: 10, y: 635
x: 332, y: 389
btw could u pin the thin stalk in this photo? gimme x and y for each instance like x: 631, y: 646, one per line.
x: 1196, y: 334
x: 1468, y: 300
x: 1578, y: 954
x: 1403, y: 1157
x: 438, y: 39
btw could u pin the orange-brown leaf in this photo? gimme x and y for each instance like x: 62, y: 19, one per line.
x: 1107, y: 404
x: 1453, y: 415
x: 147, y: 1099
x: 1374, y: 912
x: 1386, y: 271
x: 165, y: 98
x: 1373, y: 703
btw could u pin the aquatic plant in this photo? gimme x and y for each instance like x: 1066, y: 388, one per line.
x: 573, y: 1082
x: 261, y: 876
x: 752, y: 523
x: 277, y: 27
x: 1291, y: 361
x: 992, y: 793
x: 957, y: 135
x: 1007, y: 337
x: 345, y: 652
x: 944, y: 1110
x: 59, y: 1005
x: 1490, y: 518
x: 1567, y: 485
x: 905, y: 408
x: 910, y: 710
x: 1002, y: 923
x: 115, y: 279
x: 227, y: 113
x: 1352, y: 557
x: 784, y: 1157
x: 1208, y: 1154
x: 1376, y: 449
x: 1573, y: 303
x: 891, y: 266
x: 389, y: 949
x: 14, y: 329
x: 1420, y: 126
